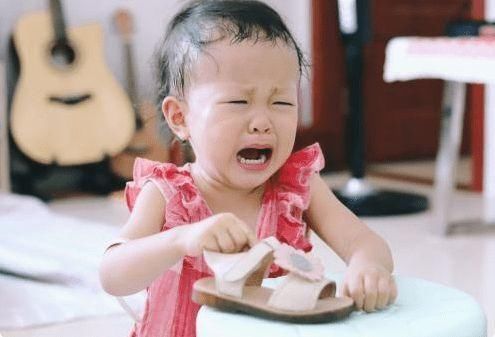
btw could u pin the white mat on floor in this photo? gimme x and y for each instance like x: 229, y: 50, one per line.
x: 48, y: 265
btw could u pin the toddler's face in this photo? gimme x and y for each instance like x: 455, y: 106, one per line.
x: 242, y: 110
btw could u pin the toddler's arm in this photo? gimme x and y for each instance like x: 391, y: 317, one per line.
x: 130, y: 267
x: 368, y: 279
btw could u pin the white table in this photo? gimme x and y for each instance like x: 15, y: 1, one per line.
x: 458, y: 61
x: 422, y: 309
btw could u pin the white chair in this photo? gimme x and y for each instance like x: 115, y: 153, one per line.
x: 422, y: 309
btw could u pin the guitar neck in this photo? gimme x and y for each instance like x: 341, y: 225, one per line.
x: 58, y: 21
x: 123, y: 22
x: 130, y: 74
x: 131, y: 81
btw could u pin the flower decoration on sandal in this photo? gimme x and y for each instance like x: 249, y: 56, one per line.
x: 299, y: 262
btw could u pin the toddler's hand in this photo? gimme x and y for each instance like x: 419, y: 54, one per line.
x: 222, y: 232
x: 370, y: 286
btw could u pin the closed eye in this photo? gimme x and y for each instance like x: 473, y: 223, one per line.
x: 283, y: 103
x: 238, y: 102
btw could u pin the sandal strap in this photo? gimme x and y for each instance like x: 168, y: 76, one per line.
x: 296, y: 293
x: 232, y: 270
x: 251, y: 260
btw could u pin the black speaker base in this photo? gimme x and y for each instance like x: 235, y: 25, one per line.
x: 383, y: 203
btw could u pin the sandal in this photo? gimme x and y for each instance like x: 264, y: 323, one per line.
x: 304, y: 296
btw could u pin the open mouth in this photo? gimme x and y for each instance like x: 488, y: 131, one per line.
x: 254, y: 156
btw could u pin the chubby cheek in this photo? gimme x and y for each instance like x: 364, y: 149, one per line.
x: 287, y: 135
x: 221, y: 142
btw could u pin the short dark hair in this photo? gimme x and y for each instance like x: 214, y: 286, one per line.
x: 195, y: 26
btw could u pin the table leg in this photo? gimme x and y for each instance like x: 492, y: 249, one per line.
x: 448, y: 154
x: 454, y: 97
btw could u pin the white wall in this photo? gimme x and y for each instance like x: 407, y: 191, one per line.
x: 150, y: 18
x: 490, y: 9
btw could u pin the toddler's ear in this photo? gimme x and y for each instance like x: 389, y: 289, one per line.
x: 173, y: 111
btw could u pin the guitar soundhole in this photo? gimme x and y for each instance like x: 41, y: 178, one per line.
x: 63, y: 55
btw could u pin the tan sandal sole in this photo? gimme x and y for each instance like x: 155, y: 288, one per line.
x: 255, y: 301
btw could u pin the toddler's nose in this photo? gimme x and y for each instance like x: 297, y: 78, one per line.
x: 260, y: 124
x: 260, y: 130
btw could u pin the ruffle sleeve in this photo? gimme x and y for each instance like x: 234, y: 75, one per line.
x: 145, y: 170
x: 297, y: 170
x: 184, y: 204
x: 293, y: 194
x: 287, y: 200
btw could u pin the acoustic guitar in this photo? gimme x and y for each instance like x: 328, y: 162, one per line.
x: 146, y: 141
x: 67, y: 108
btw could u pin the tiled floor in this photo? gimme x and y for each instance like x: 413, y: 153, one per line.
x: 463, y: 262
x: 420, y: 170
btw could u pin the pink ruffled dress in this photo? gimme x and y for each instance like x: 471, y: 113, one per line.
x: 169, y: 310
